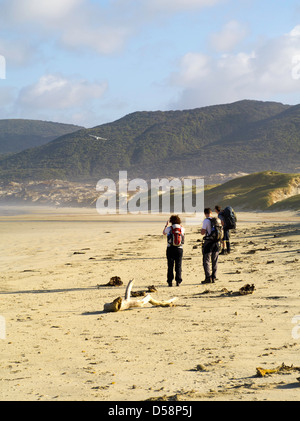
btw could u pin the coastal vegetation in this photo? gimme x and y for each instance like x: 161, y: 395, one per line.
x: 17, y: 135
x: 267, y: 190
x: 246, y: 136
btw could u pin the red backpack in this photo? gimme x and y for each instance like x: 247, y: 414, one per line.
x: 176, y: 238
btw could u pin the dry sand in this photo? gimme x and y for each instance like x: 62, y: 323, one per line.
x: 60, y: 345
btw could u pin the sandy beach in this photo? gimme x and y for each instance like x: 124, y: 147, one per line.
x: 59, y: 344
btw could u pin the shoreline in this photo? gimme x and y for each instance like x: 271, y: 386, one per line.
x: 48, y: 213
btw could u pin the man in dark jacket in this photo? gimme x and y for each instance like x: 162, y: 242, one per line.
x: 226, y: 246
x: 210, y: 250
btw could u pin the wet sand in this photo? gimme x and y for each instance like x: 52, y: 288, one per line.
x: 60, y: 345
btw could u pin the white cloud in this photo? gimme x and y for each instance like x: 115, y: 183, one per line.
x: 75, y: 24
x: 103, y: 39
x: 231, y: 34
x: 265, y: 72
x: 171, y: 6
x: 87, y: 24
x: 54, y: 91
x: 178, y: 5
x: 46, y: 10
x: 7, y: 97
x: 194, y: 67
x: 295, y: 32
x: 18, y: 52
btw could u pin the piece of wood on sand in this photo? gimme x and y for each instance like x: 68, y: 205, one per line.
x: 120, y: 304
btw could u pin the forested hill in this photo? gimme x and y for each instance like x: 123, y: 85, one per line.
x: 247, y: 136
x: 18, y: 134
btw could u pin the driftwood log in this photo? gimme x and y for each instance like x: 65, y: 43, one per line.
x: 123, y: 304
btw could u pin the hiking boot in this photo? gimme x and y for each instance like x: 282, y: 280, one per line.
x: 178, y: 283
x: 223, y: 252
x: 208, y: 281
x: 169, y: 284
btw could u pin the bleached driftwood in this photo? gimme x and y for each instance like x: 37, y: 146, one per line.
x: 123, y: 304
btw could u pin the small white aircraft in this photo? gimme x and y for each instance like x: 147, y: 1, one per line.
x: 98, y: 137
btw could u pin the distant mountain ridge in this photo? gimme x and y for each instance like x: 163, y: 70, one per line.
x: 19, y: 134
x: 245, y: 136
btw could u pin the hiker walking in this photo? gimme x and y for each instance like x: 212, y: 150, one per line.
x: 175, y: 240
x: 228, y: 220
x: 212, y: 231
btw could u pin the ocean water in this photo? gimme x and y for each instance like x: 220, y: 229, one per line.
x: 9, y: 210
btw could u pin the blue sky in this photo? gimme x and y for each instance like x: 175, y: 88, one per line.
x: 89, y: 62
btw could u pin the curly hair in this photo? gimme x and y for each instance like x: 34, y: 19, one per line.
x: 174, y: 219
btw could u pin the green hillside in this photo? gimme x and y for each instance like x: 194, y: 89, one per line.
x: 246, y: 136
x: 292, y: 203
x: 17, y: 134
x: 259, y: 191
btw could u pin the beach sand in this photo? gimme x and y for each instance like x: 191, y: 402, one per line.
x: 59, y: 344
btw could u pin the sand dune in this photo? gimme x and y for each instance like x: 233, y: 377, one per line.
x: 61, y: 345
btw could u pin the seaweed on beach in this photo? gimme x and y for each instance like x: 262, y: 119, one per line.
x: 224, y: 292
x: 262, y: 372
x: 113, y: 282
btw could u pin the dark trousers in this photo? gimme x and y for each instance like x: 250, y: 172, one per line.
x: 226, y: 239
x: 174, y: 256
x: 210, y: 253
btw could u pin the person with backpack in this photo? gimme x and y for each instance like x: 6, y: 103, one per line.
x: 212, y: 231
x: 175, y: 240
x: 228, y: 219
